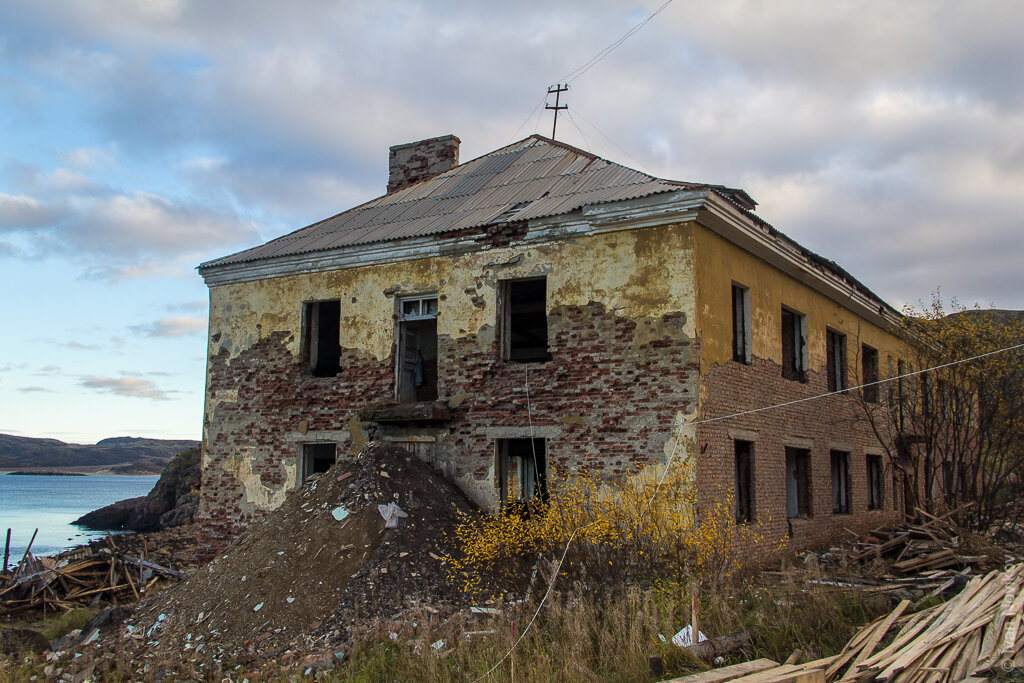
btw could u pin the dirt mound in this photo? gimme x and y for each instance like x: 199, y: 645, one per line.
x: 322, y: 563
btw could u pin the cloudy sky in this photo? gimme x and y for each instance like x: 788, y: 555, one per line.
x: 140, y: 138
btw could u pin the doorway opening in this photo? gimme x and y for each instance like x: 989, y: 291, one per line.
x: 416, y: 367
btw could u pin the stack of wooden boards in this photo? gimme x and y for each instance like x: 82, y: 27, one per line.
x: 976, y: 633
x: 79, y: 577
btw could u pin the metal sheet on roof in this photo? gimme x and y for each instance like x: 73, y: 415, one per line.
x: 549, y: 177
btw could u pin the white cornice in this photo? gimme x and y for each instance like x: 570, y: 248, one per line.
x: 707, y: 207
x: 722, y: 218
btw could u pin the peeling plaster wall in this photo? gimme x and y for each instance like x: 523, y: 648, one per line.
x: 621, y: 331
x: 728, y: 387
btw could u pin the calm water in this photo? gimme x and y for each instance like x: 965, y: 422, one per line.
x: 50, y: 504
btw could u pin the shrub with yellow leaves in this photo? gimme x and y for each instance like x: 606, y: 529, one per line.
x: 646, y: 529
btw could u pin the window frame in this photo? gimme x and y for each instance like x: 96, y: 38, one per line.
x: 869, y: 373
x: 839, y: 465
x: 506, y: 322
x: 744, y: 480
x: 795, y: 366
x: 313, y: 338
x: 835, y: 360
x: 742, y: 337
x: 874, y: 474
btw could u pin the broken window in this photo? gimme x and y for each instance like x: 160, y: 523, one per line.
x: 741, y: 341
x: 794, y: 345
x: 416, y: 357
x: 835, y: 352
x: 322, y: 346
x: 874, y: 463
x: 869, y: 373
x: 524, y: 324
x: 522, y: 473
x: 317, y: 458
x: 840, y: 482
x: 744, y: 479
x: 798, y: 482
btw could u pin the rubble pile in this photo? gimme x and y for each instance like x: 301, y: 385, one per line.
x: 321, y: 565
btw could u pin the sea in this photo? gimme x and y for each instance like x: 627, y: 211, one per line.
x: 50, y: 503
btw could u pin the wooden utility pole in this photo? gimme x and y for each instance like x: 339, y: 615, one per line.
x: 557, y: 89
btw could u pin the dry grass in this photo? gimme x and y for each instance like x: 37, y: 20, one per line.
x: 584, y: 636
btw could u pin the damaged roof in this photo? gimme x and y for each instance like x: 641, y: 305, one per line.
x: 534, y: 178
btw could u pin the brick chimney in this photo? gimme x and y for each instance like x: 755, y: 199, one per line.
x: 416, y: 161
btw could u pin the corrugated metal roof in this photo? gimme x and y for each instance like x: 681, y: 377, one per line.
x: 541, y: 176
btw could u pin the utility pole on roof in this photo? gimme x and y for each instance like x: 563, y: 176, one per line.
x: 557, y: 89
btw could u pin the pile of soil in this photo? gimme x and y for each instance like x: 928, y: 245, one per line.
x: 301, y: 579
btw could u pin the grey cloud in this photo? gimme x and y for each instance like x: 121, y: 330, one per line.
x: 126, y: 385
x: 35, y: 389
x: 20, y: 212
x: 173, y: 326
x: 80, y: 346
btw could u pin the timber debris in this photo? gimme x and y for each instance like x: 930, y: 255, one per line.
x: 82, y: 576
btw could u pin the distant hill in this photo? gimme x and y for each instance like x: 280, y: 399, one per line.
x: 123, y: 454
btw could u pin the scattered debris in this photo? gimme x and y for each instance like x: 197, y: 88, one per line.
x: 78, y: 577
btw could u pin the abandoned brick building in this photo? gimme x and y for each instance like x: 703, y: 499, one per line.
x: 542, y: 301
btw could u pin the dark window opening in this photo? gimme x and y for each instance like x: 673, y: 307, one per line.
x: 522, y: 474
x: 525, y: 323
x: 869, y: 373
x: 794, y: 345
x: 798, y: 482
x: 840, y: 482
x: 903, y: 399
x: 323, y: 327
x: 874, y: 463
x: 741, y: 337
x: 417, y: 350
x: 744, y: 481
x: 317, y: 458
x: 835, y: 345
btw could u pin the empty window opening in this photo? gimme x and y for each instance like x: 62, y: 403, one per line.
x: 840, y: 482
x: 744, y: 481
x: 794, y: 345
x: 869, y: 372
x: 522, y: 474
x: 317, y: 458
x: 798, y: 482
x: 416, y: 366
x: 835, y: 345
x: 874, y: 463
x: 903, y: 396
x: 741, y: 340
x: 323, y: 348
x: 525, y: 321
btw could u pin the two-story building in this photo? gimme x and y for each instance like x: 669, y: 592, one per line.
x: 539, y: 310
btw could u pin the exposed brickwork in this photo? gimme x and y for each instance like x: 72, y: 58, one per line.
x: 415, y: 161
x: 821, y: 425
x: 625, y: 378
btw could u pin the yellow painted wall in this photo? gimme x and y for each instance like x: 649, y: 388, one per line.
x: 720, y: 263
x: 639, y: 273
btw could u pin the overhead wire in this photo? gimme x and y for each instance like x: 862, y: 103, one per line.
x: 675, y: 448
x: 600, y: 56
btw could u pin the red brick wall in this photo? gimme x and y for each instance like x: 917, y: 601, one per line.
x: 625, y: 391
x: 826, y: 423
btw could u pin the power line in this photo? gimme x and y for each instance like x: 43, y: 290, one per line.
x: 675, y: 448
x: 590, y: 123
x: 596, y: 59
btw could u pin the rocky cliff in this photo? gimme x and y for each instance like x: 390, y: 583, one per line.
x: 172, y: 502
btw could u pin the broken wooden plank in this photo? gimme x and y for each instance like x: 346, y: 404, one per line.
x: 727, y: 673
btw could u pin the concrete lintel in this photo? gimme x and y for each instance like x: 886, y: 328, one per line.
x: 798, y: 442
x: 522, y: 432
x: 742, y: 435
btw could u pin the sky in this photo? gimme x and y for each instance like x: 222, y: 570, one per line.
x: 139, y: 139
